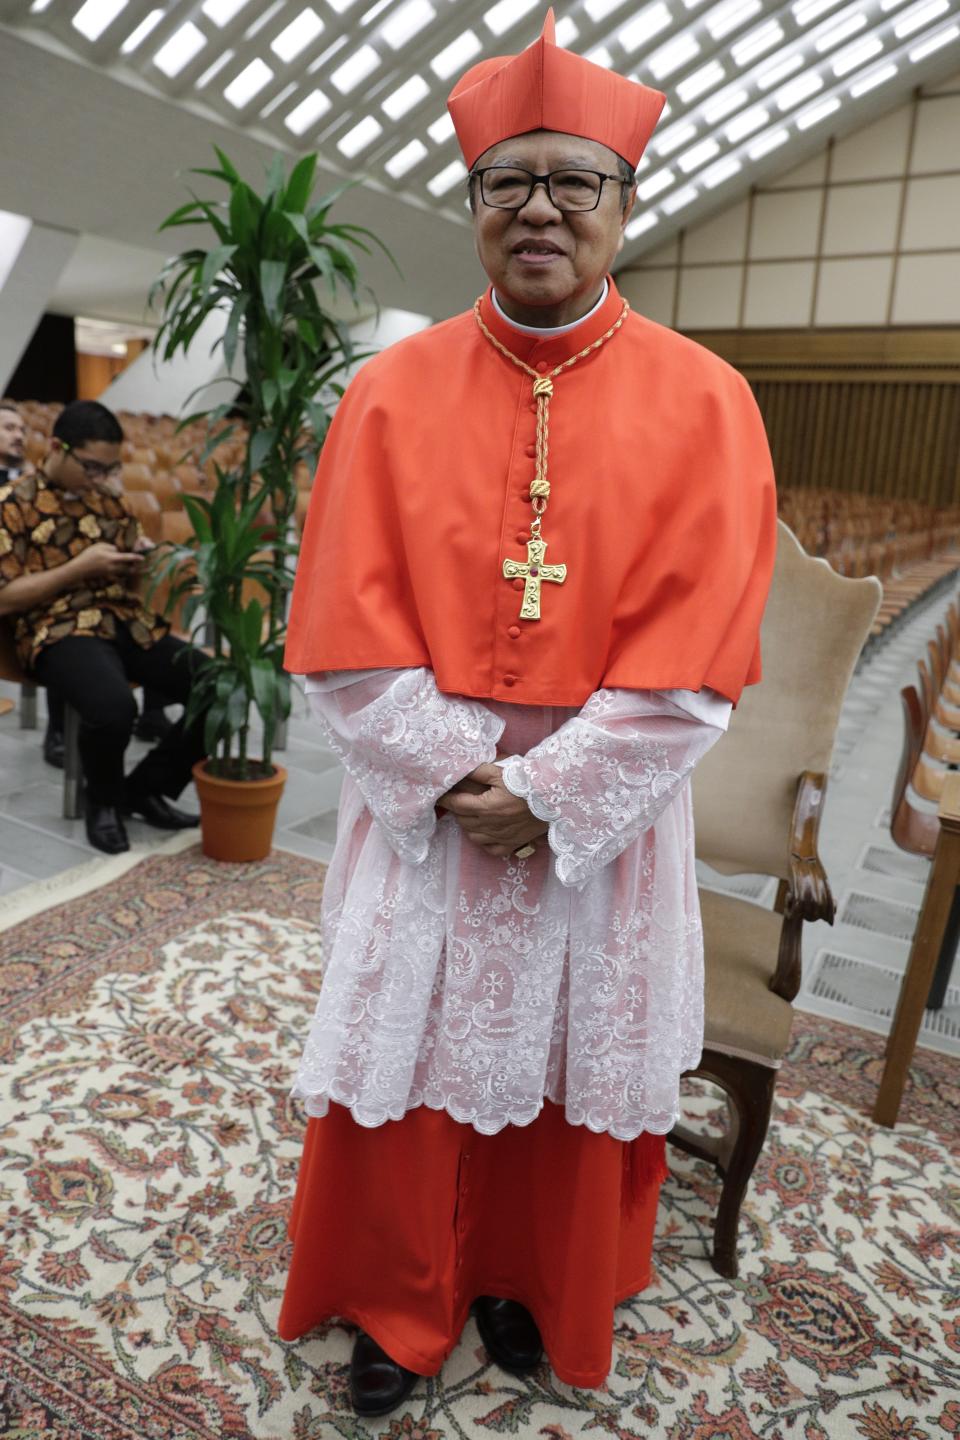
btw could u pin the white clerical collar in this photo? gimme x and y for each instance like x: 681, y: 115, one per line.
x: 546, y: 331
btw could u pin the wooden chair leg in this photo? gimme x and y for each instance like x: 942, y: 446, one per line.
x: 924, y: 952
x: 948, y: 955
x: 749, y: 1088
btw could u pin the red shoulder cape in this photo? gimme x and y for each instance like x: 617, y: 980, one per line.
x: 662, y: 507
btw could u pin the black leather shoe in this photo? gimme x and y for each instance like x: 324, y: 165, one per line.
x: 510, y: 1333
x: 105, y: 829
x: 158, y: 811
x: 53, y: 747
x: 377, y: 1383
x: 152, y: 725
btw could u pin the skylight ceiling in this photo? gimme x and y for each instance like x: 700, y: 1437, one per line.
x: 366, y: 85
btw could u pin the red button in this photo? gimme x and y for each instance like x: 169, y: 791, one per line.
x: 522, y: 537
x: 543, y: 366
x: 509, y: 679
x: 518, y: 584
x: 514, y: 632
x: 531, y: 450
x: 533, y: 407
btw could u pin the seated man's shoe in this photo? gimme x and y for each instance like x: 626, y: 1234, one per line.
x: 158, y: 811
x: 377, y: 1383
x: 152, y: 725
x: 105, y: 829
x: 510, y: 1333
x: 53, y: 747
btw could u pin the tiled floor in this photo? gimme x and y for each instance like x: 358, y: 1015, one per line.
x: 851, y: 971
x: 36, y: 842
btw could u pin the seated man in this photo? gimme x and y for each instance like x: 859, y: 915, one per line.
x: 69, y: 572
x: 13, y: 435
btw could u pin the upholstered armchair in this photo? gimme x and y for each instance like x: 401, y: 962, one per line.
x: 758, y: 799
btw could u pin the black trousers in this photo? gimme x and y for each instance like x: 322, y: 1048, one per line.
x: 152, y: 700
x: 94, y: 677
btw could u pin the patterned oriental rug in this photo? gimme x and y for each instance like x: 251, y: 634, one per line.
x: 151, y: 1019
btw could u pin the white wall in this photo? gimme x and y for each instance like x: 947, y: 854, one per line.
x: 866, y: 233
x: 156, y: 387
x: 32, y: 257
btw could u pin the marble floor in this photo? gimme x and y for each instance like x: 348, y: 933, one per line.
x: 851, y: 970
x: 36, y: 842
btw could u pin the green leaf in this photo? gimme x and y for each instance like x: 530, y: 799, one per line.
x: 231, y: 335
x: 321, y: 258
x: 214, y: 263
x: 286, y: 380
x: 307, y: 333
x: 317, y: 216
x: 272, y: 276
x: 199, y: 511
x: 227, y: 165
x: 215, y: 439
x: 243, y: 213
x: 214, y: 727
x: 275, y: 176
x: 263, y: 678
x: 300, y: 184
x: 253, y: 626
x: 183, y: 215
x: 298, y: 224
x: 260, y: 447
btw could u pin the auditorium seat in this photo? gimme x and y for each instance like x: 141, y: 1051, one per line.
x: 303, y: 505
x: 145, y: 505
x: 135, y: 476
x: 168, y: 490
x: 175, y: 526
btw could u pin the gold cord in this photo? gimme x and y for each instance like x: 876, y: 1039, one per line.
x: 543, y: 391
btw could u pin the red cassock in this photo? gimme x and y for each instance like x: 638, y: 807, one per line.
x: 662, y: 507
x: 399, y: 1228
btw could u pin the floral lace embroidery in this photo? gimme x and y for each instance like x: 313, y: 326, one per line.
x: 601, y: 779
x: 408, y: 746
x: 482, y: 986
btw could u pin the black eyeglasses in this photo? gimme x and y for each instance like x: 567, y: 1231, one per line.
x: 506, y: 187
x: 94, y: 469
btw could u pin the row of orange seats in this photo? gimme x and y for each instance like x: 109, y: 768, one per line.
x: 868, y: 534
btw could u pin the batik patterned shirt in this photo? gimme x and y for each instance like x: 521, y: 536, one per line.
x: 41, y: 527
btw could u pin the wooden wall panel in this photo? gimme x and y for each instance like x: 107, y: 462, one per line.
x: 875, y: 411
x: 891, y: 438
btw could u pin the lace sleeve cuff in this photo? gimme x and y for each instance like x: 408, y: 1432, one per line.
x: 404, y: 743
x: 606, y: 775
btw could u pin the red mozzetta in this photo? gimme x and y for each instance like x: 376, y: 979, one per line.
x: 662, y: 508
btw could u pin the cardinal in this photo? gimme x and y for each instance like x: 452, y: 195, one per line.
x: 528, y: 595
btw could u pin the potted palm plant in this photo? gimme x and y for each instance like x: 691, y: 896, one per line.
x: 270, y: 257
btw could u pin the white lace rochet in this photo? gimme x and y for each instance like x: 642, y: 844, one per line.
x: 479, y: 985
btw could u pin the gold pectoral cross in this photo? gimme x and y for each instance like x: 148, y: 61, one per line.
x: 533, y: 572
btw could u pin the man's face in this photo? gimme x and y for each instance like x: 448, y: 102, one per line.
x: 82, y: 466
x: 540, y: 257
x: 13, y: 433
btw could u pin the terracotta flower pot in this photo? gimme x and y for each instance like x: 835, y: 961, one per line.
x: 237, y: 816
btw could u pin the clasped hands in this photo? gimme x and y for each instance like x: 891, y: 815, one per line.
x: 489, y: 814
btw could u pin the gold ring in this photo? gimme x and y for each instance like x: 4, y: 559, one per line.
x: 525, y: 850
